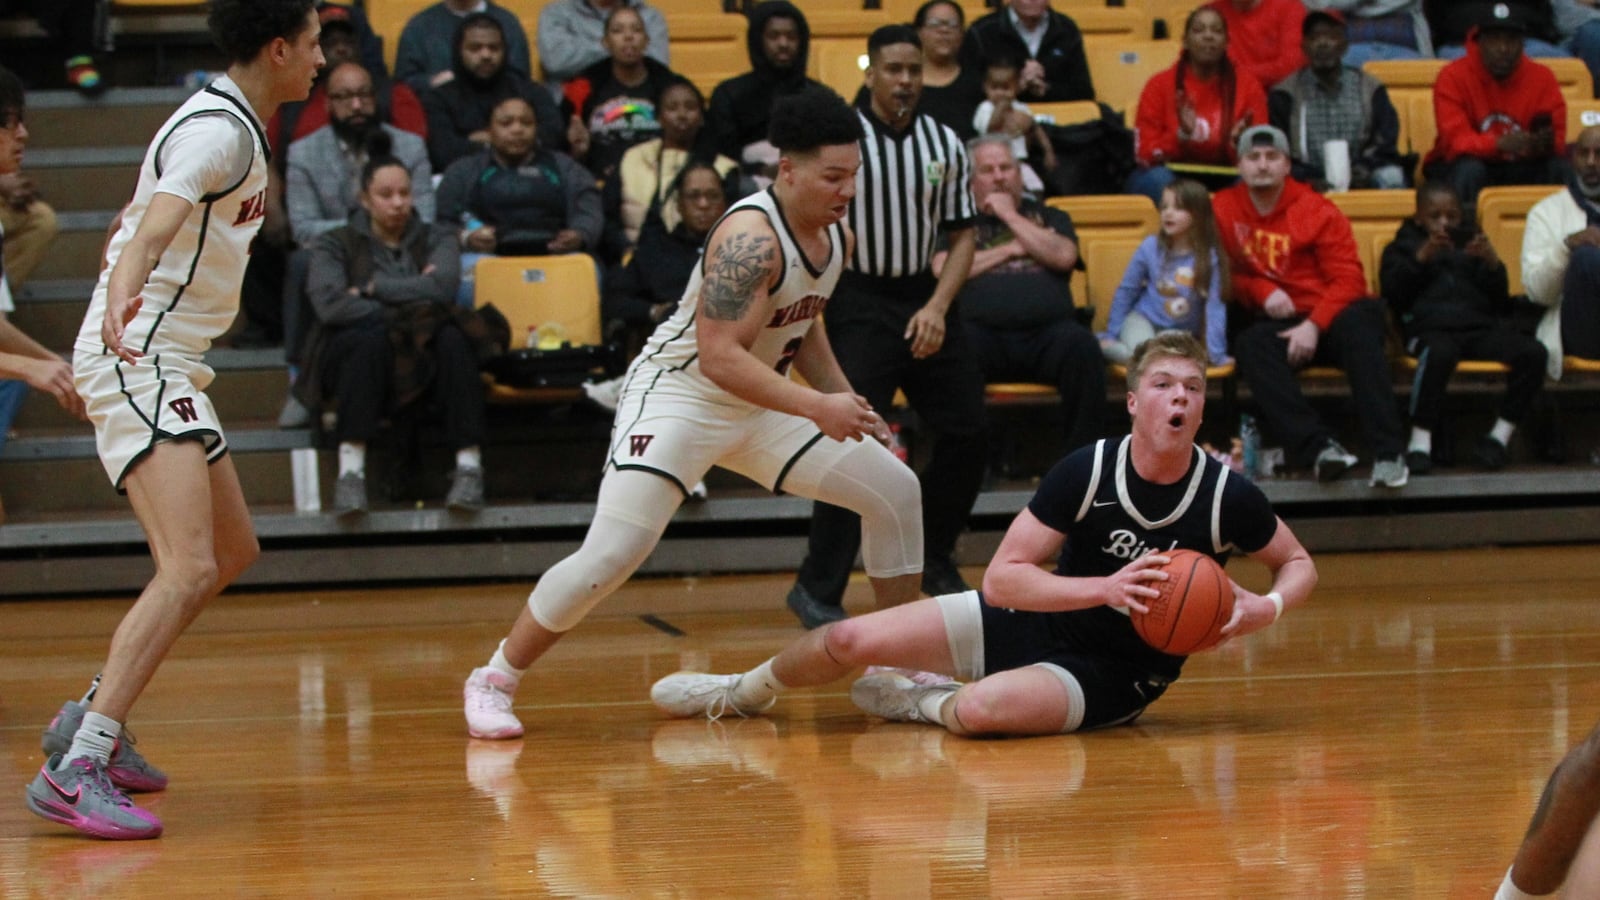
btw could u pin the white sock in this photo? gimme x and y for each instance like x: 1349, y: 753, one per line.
x: 352, y: 457
x: 96, y: 738
x: 1502, y: 432
x: 1421, y: 440
x: 934, y: 703
x: 1509, y: 891
x: 498, y: 663
x: 757, y: 687
x: 469, y: 458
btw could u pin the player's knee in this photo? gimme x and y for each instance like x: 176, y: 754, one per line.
x: 979, y: 709
x: 234, y: 560
x: 850, y: 642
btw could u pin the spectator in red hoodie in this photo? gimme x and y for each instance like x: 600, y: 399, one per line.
x: 1502, y: 119
x: 1298, y: 283
x: 1266, y: 36
x: 1195, y: 111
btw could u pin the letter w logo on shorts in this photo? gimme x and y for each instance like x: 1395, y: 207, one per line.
x: 184, y: 407
x: 639, y: 443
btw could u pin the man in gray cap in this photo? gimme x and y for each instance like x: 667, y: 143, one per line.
x: 1298, y: 284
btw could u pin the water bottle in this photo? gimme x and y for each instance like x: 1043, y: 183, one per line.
x: 1250, y: 436
x: 532, y: 340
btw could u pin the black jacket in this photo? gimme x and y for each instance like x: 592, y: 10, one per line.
x: 741, y: 107
x: 1453, y: 292
x: 1450, y: 20
x: 1066, y: 67
x: 463, y: 105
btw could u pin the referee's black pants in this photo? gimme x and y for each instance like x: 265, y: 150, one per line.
x: 866, y: 320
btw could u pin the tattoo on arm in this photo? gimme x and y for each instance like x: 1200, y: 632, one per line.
x: 740, y: 265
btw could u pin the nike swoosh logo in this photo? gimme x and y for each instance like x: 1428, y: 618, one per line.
x: 72, y: 798
x: 1099, y: 503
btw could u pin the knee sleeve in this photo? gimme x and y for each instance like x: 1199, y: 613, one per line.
x: 866, y: 479
x: 963, y: 631
x: 1075, y: 701
x: 632, y: 511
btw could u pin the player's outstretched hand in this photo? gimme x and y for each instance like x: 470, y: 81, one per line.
x: 54, y: 377
x: 1129, y: 586
x: 118, y: 314
x: 848, y: 417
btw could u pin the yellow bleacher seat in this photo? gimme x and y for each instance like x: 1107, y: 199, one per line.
x: 389, y: 18
x: 1175, y: 12
x: 1422, y: 126
x: 1581, y: 114
x: 1503, y: 215
x: 1120, y: 70
x: 1405, y: 74
x: 829, y: 21
x: 1573, y: 76
x: 838, y: 63
x: 1110, y: 215
x: 532, y: 291
x: 1066, y: 112
x: 669, y: 8
x: 904, y: 10
x: 1106, y: 259
x: 1374, y: 216
x: 1113, y: 24
x: 709, y: 63
x: 707, y: 26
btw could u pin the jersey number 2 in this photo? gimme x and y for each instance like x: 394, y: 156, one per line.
x: 786, y: 358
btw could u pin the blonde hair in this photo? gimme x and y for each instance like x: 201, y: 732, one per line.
x: 1166, y: 345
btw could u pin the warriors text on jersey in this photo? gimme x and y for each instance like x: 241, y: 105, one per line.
x: 670, y: 359
x: 213, y: 153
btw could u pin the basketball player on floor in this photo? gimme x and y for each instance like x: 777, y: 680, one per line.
x: 1053, y: 652
x: 1550, y: 852
x: 711, y: 387
x: 170, y: 285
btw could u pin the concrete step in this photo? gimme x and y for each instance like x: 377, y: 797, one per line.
x: 80, y: 180
x: 121, y: 117
x: 240, y: 392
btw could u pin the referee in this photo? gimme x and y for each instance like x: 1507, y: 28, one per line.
x: 887, y: 320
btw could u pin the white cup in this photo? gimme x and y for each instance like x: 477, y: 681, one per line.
x: 1336, y: 165
x: 307, y: 487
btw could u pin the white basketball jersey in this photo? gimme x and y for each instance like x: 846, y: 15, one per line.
x: 213, y: 152
x: 671, y: 357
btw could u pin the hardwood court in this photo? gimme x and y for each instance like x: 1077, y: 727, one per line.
x: 1390, y: 740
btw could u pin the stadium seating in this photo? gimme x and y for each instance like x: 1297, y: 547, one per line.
x: 534, y: 291
x: 1121, y: 68
x: 1503, y: 215
x: 1067, y: 112
x: 838, y: 63
x: 1374, y: 216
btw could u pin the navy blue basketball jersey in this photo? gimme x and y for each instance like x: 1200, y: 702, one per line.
x: 1111, y: 516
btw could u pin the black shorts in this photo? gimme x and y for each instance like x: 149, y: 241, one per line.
x: 1114, y: 692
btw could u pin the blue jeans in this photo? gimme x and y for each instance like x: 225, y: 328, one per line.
x: 11, y: 396
x: 1150, y: 182
x: 1366, y: 52
x: 1585, y: 45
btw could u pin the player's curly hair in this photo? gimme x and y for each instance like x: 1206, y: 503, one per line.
x: 241, y: 28
x: 810, y: 118
x: 13, y: 98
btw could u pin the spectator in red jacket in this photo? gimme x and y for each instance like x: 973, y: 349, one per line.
x: 1266, y: 36
x: 1502, y: 119
x: 1194, y: 111
x: 1297, y: 282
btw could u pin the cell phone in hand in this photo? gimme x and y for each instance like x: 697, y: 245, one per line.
x: 1462, y: 235
x: 1542, y: 122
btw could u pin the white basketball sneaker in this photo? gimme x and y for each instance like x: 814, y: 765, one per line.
x: 895, y: 697
x: 684, y: 694
x: 488, y: 705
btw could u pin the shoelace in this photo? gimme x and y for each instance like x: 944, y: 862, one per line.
x: 98, y: 781
x: 721, y: 701
x: 493, y: 697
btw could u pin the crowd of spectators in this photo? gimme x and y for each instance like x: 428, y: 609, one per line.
x: 596, y: 145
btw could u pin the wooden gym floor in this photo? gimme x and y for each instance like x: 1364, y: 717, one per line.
x: 1389, y: 740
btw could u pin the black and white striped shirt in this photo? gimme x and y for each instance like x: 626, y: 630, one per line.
x: 911, y: 183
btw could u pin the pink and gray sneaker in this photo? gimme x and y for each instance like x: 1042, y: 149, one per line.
x: 80, y: 795
x: 487, y: 696
x: 127, y: 769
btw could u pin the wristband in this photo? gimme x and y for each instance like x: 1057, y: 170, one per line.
x: 1277, y: 604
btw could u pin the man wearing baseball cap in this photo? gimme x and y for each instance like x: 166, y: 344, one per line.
x: 1298, y: 283
x: 1501, y: 116
x: 1380, y: 29
x: 1327, y: 101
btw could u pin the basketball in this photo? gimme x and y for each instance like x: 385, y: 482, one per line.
x: 1196, y: 601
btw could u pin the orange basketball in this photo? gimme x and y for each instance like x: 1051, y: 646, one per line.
x: 1196, y: 601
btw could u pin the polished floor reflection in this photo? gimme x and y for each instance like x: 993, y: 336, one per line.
x: 1388, y: 741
